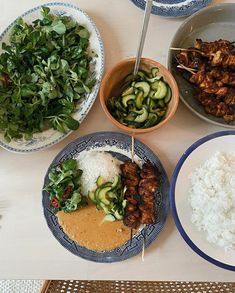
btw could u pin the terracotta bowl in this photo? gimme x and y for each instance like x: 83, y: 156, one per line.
x: 113, y: 80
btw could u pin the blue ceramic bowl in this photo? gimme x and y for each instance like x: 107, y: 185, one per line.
x: 174, y: 8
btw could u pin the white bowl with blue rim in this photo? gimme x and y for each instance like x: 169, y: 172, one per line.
x: 194, y: 157
x: 119, y: 145
x: 174, y: 8
x: 50, y: 136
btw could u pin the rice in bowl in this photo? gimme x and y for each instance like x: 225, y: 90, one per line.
x: 212, y: 198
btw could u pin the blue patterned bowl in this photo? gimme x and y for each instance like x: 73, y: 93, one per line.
x: 174, y: 8
x: 50, y: 137
x: 119, y: 145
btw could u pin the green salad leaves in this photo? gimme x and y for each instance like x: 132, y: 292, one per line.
x: 64, y: 187
x: 44, y: 71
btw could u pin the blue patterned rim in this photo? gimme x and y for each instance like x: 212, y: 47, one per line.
x: 172, y: 197
x: 174, y: 11
x: 97, y: 86
x: 123, y: 142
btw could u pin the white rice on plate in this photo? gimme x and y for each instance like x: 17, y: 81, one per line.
x: 212, y: 198
x: 95, y: 164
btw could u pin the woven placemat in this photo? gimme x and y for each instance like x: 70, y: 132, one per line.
x: 135, y: 287
x: 20, y: 286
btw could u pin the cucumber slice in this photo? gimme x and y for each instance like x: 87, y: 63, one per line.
x: 152, y: 104
x: 129, y: 78
x: 124, y: 203
x: 161, y: 91
x: 139, y: 100
x: 97, y: 195
x: 141, y: 74
x: 154, y: 79
x: 118, y: 216
x: 109, y: 218
x: 168, y: 95
x: 111, y: 103
x: 154, y: 71
x: 91, y: 195
x: 152, y: 120
x: 161, y: 103
x: 133, y: 124
x: 151, y: 93
x: 104, y: 208
x: 160, y: 112
x: 119, y: 106
x: 102, y: 195
x: 111, y: 194
x: 148, y: 101
x: 143, y: 115
x: 154, y: 86
x: 136, y: 91
x: 131, y: 117
x: 127, y: 98
x: 144, y: 86
x: 99, y: 181
x: 128, y: 91
x: 115, y: 182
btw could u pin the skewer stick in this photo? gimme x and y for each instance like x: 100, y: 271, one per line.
x: 131, y: 236
x: 132, y: 159
x: 132, y: 148
x: 179, y: 49
x: 143, y: 247
x: 181, y: 66
x: 191, y: 50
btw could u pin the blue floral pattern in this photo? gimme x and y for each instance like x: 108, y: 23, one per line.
x: 174, y: 8
x: 119, y: 145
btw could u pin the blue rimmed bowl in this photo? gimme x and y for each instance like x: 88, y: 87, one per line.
x: 119, y: 146
x: 194, y: 157
x: 50, y: 136
x: 174, y: 8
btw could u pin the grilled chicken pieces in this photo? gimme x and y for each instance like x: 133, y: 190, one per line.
x: 147, y: 188
x: 214, y: 74
x: 141, y: 187
x: 130, y: 176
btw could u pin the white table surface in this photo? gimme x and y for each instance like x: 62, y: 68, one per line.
x: 27, y: 247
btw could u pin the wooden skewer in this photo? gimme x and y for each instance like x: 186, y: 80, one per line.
x: 132, y: 148
x: 192, y: 71
x: 132, y: 159
x: 131, y: 236
x: 190, y: 50
x: 179, y: 49
x: 143, y: 248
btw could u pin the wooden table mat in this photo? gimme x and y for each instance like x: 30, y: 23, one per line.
x: 65, y: 286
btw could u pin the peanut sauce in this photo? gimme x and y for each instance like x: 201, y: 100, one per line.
x: 85, y: 227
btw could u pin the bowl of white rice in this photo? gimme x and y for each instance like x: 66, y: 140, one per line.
x: 203, y: 198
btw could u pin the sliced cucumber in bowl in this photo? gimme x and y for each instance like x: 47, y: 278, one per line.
x: 148, y: 94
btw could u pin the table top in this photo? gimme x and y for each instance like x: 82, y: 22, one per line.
x: 27, y: 247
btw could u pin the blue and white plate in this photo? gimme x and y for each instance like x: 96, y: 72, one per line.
x: 50, y: 137
x: 194, y: 157
x: 119, y: 145
x: 174, y: 8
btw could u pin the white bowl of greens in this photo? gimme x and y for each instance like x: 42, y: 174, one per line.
x: 51, y: 66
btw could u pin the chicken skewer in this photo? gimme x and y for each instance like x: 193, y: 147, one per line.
x: 212, y: 73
